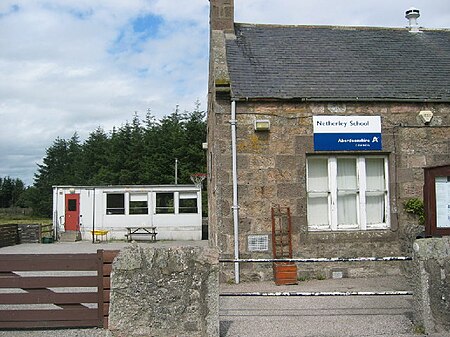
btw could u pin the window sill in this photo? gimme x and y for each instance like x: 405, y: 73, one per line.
x: 343, y: 230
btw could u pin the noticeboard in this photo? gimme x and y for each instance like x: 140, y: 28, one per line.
x: 436, y: 195
x: 347, y: 133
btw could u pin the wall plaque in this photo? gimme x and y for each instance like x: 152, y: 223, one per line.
x: 347, y: 133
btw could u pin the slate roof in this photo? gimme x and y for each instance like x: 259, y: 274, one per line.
x: 339, y: 63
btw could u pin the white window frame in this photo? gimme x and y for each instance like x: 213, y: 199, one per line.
x: 116, y: 210
x: 165, y: 210
x: 361, y: 194
x: 137, y: 196
x: 185, y: 196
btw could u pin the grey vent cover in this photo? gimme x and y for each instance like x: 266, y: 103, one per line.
x: 258, y: 243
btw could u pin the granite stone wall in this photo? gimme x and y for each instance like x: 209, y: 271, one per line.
x: 272, y: 171
x: 30, y: 233
x: 432, y: 284
x: 165, y: 292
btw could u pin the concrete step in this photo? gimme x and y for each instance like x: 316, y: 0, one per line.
x: 70, y: 236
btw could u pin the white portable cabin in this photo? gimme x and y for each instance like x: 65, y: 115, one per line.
x: 175, y: 210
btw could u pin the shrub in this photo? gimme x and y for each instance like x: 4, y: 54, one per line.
x: 415, y: 206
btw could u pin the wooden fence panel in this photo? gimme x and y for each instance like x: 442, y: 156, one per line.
x: 34, y: 282
x: 48, y: 262
x: 108, y: 258
x: 51, y: 300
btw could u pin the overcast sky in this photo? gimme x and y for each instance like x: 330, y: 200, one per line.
x: 70, y: 66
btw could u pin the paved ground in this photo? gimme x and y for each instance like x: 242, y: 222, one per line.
x: 85, y: 246
x: 387, y: 316
x: 318, y: 316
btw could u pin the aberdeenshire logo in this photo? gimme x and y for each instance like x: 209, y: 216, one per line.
x: 347, y: 133
x: 361, y: 142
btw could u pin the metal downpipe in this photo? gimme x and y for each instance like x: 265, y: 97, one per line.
x: 235, y: 207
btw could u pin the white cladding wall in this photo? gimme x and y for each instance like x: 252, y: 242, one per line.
x: 93, y: 215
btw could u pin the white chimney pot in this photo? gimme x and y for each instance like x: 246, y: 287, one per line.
x: 412, y: 15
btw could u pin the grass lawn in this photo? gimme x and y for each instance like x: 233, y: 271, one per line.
x: 22, y: 219
x: 21, y: 216
x: 25, y: 221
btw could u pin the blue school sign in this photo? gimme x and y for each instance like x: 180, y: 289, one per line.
x: 347, y: 133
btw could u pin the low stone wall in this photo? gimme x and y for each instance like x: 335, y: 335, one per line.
x: 30, y: 233
x: 24, y: 233
x: 431, y: 268
x: 9, y: 235
x: 165, y: 291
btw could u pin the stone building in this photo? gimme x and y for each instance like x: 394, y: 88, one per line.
x: 336, y: 123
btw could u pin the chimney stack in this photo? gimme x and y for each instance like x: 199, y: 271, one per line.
x: 412, y: 14
x: 222, y: 15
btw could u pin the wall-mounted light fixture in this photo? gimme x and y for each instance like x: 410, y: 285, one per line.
x: 426, y: 116
x: 262, y: 125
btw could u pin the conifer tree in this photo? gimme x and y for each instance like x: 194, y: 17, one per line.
x: 138, y: 153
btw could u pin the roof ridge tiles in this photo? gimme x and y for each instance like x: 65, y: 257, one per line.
x: 341, y: 27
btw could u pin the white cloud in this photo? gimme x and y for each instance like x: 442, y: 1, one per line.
x: 59, y: 75
x: 70, y: 66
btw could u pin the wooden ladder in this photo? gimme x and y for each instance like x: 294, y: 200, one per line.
x: 284, y: 272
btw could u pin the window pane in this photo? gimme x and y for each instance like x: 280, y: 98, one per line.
x: 138, y: 203
x: 375, y: 174
x: 375, y: 209
x: 164, y: 203
x: 138, y: 207
x: 347, y: 185
x: 188, y: 195
x: 346, y: 174
x: 347, y: 211
x: 139, y: 197
x: 188, y: 206
x: 317, y: 174
x: 115, y: 203
x: 318, y: 210
x: 72, y: 205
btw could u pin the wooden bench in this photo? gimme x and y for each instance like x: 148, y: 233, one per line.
x: 136, y: 231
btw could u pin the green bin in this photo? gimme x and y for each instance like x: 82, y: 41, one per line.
x: 47, y: 240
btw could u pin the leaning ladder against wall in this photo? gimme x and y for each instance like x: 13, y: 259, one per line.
x: 284, y: 272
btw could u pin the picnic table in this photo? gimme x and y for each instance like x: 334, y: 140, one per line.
x: 142, y: 230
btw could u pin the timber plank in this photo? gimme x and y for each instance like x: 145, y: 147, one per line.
x: 48, y: 297
x: 109, y: 255
x: 106, y: 282
x: 47, y: 281
x: 106, y: 295
x: 49, y: 324
x: 100, y: 299
x: 76, y: 314
x: 107, y: 269
x: 48, y: 262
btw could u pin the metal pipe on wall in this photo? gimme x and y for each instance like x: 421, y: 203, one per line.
x: 235, y: 207
x: 93, y: 214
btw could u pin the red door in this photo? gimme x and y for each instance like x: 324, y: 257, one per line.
x: 72, y: 219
